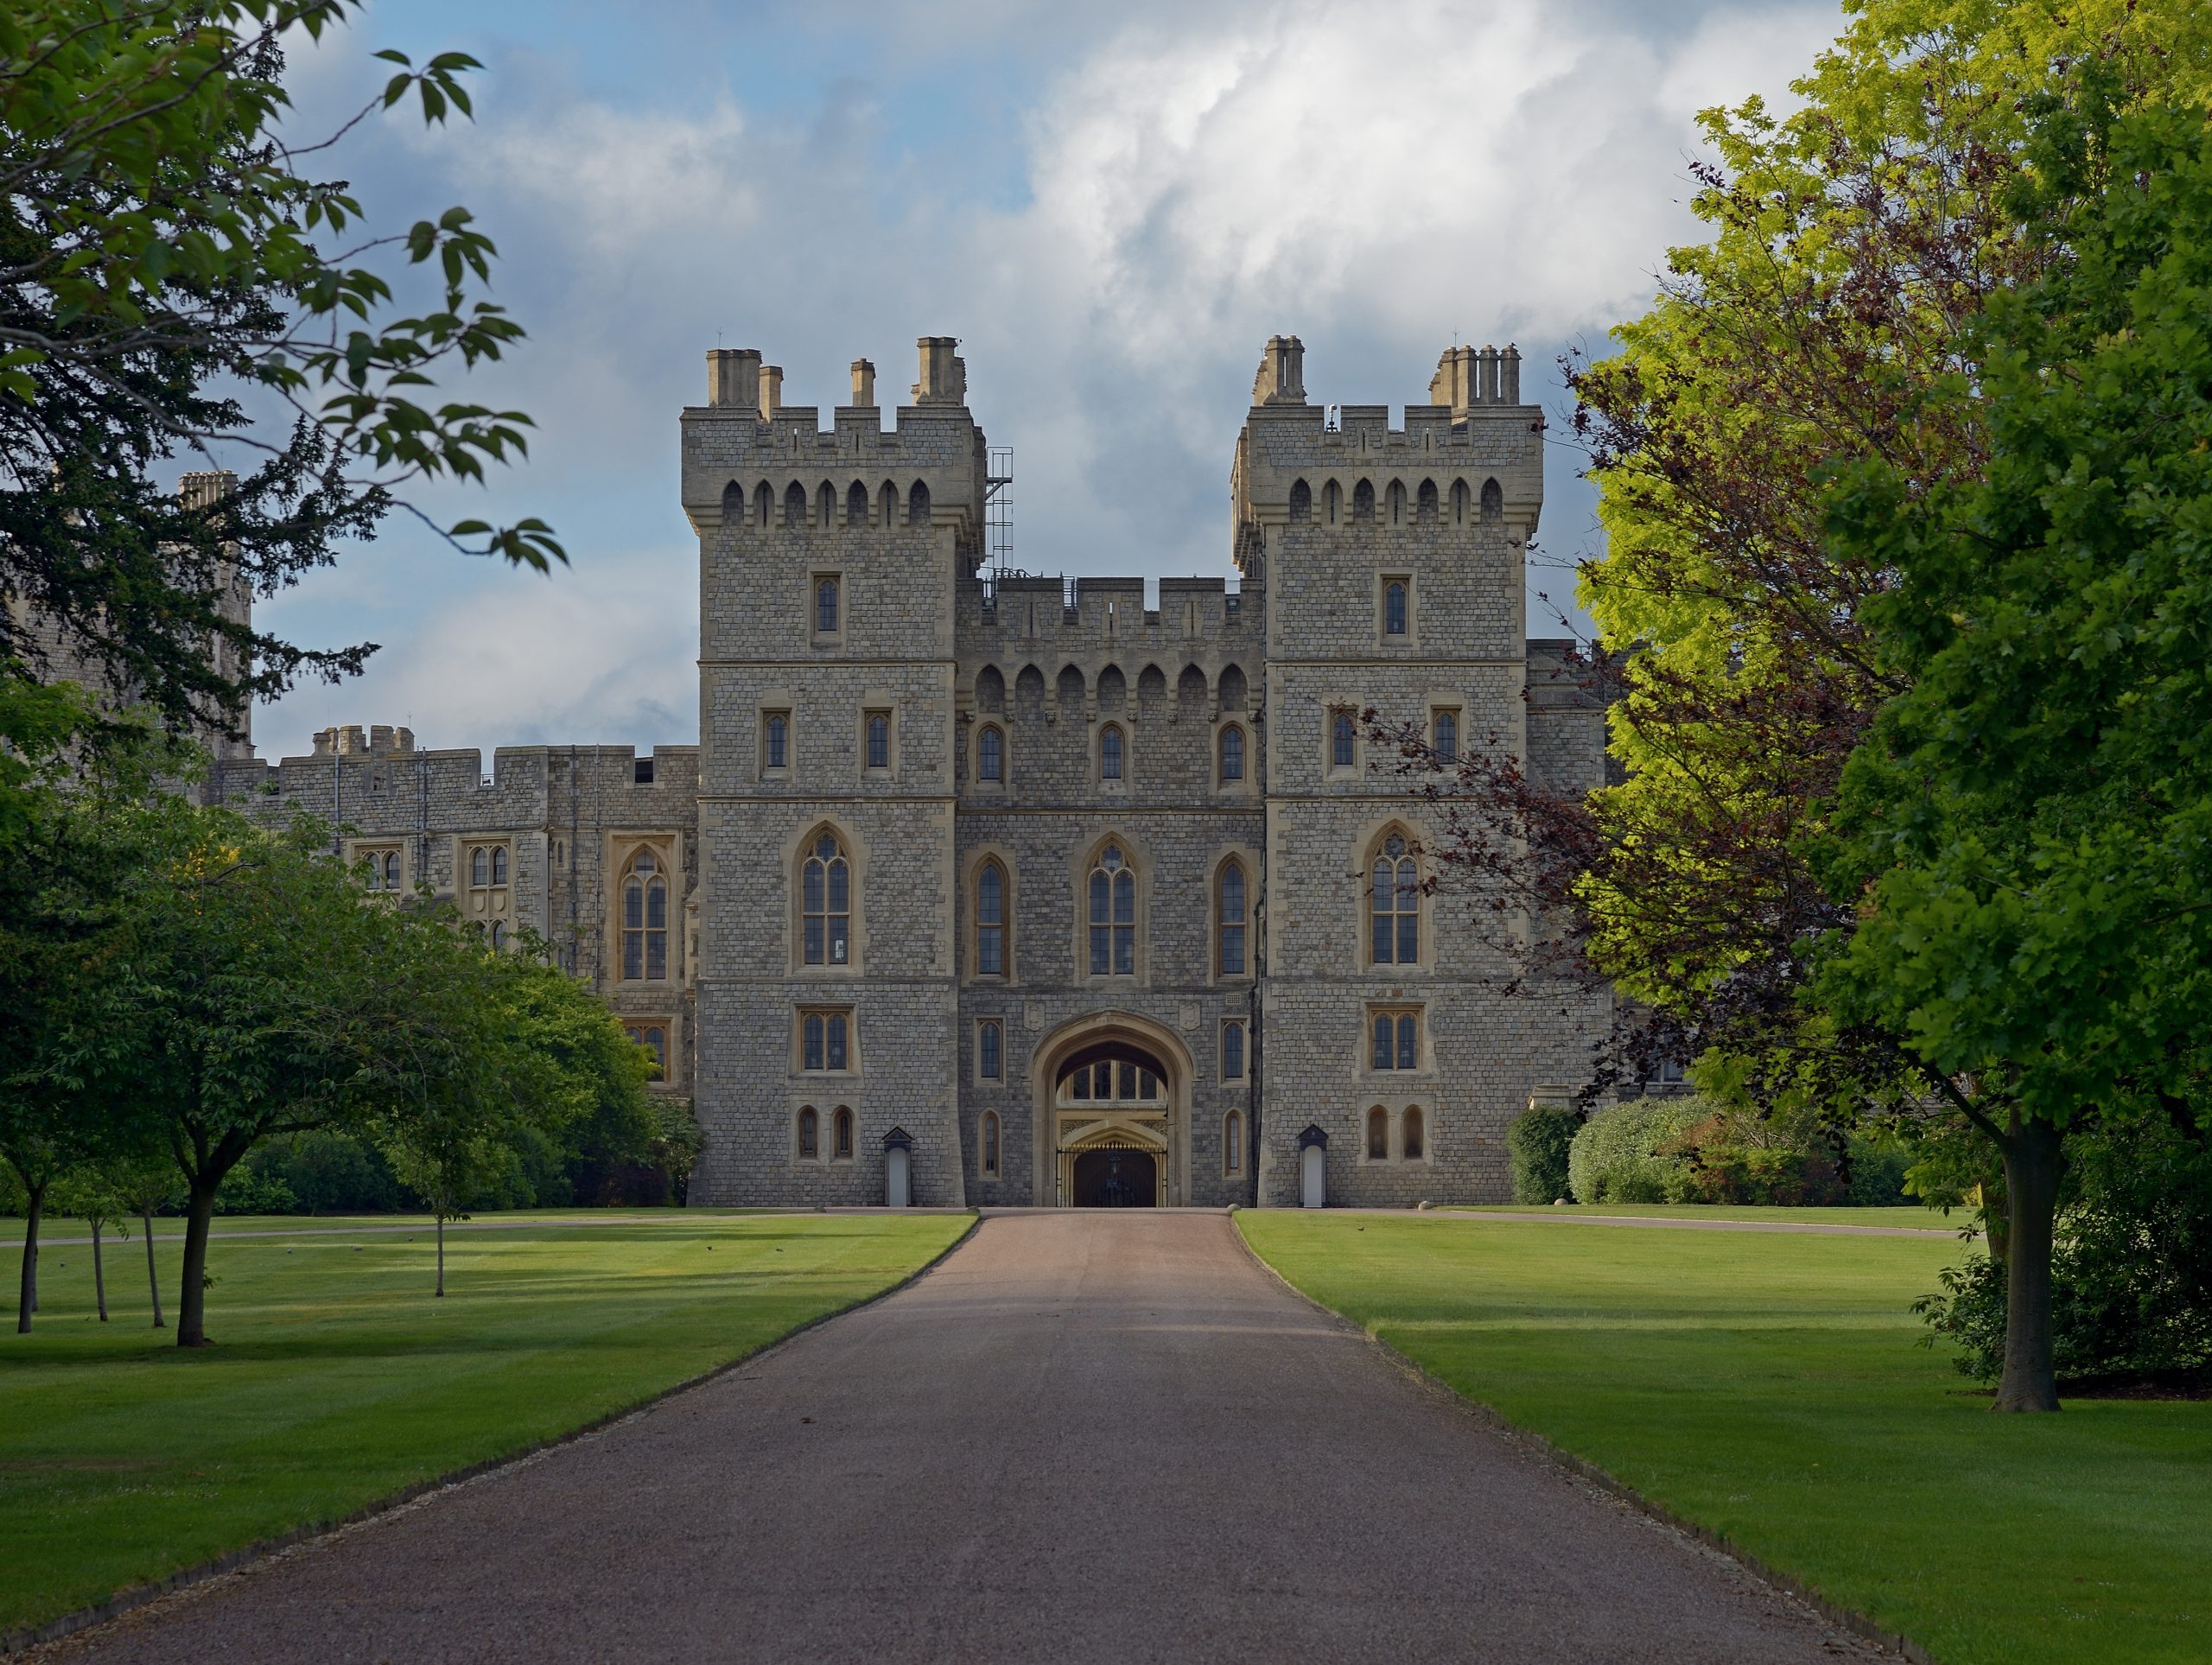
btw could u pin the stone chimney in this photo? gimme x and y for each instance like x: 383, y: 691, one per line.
x: 325, y: 742
x: 1489, y: 384
x: 944, y: 377
x: 1511, y: 362
x: 1454, y: 385
x: 772, y: 389
x: 734, y: 377
x: 863, y: 383
x: 1281, y: 379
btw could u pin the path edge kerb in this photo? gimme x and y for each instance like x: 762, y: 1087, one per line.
x: 1842, y: 1618
x: 141, y: 1595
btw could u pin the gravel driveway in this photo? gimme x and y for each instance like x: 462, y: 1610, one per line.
x: 1083, y: 1436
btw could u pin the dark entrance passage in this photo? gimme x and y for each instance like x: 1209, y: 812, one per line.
x: 1116, y: 1179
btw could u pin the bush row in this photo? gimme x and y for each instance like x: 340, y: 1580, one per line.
x: 1685, y: 1149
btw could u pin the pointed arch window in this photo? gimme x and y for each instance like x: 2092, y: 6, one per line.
x: 1362, y: 500
x: 1343, y: 740
x: 856, y: 504
x: 1232, y: 753
x: 644, y: 919
x: 1378, y: 1134
x: 825, y: 605
x: 990, y: 1050
x: 1232, y: 1143
x: 1232, y: 1050
x: 1301, y: 501
x: 778, y: 741
x: 990, y: 1144
x: 809, y: 1134
x: 1412, y: 1144
x: 990, y: 754
x: 991, y: 920
x: 825, y: 1040
x: 1229, y: 920
x: 826, y: 903
x: 1110, y: 751
x: 1393, y: 900
x: 1113, y: 915
x: 879, y: 740
x: 1394, y: 607
x: 480, y: 865
x: 1447, y: 737
x: 841, y: 1149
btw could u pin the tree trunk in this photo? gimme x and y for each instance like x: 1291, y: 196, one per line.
x: 192, y: 1298
x: 99, y: 1273
x: 441, y: 1289
x: 153, y: 1277
x: 2034, y: 1159
x: 26, y: 1294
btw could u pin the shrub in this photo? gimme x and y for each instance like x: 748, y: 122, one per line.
x: 1615, y: 1157
x: 332, y: 1172
x: 1537, y: 1143
x: 2131, y: 1270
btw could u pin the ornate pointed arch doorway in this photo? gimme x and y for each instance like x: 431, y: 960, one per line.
x: 1113, y: 1102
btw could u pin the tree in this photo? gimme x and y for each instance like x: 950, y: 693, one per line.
x: 2026, y: 834
x: 1832, y: 320
x: 147, y: 1183
x: 84, y: 1194
x: 161, y: 239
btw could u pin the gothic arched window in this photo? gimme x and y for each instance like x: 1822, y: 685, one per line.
x: 1394, y: 607
x: 1447, y: 737
x: 1232, y: 1143
x: 498, y: 864
x: 990, y: 754
x: 990, y: 1142
x: 644, y: 919
x: 391, y: 869
x: 1110, y: 751
x: 809, y: 1137
x: 1343, y: 741
x: 826, y: 903
x: 1301, y: 501
x: 480, y: 865
x: 1426, y: 500
x: 1229, y: 920
x: 879, y: 740
x: 1362, y: 500
x: 991, y: 920
x: 1394, y: 898
x: 918, y: 505
x: 1113, y: 915
x: 794, y: 505
x: 856, y: 504
x: 1232, y: 753
x: 842, y: 1148
x: 779, y: 738
x: 826, y: 607
x: 990, y: 1047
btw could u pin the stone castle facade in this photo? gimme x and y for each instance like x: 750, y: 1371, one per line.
x: 1020, y: 891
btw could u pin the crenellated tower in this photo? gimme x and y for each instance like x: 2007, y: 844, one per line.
x: 828, y: 563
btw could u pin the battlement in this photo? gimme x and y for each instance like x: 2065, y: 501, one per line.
x: 750, y: 461
x: 1472, y: 455
x: 1078, y: 615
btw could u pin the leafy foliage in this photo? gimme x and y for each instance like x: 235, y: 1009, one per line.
x: 160, y: 239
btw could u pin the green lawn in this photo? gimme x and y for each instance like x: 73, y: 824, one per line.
x: 1913, y: 1218
x: 1767, y: 1386
x: 336, y: 1380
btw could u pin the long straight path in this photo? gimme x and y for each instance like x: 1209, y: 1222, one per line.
x: 1083, y: 1436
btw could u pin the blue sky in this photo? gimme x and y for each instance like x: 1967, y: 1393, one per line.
x: 1113, y: 207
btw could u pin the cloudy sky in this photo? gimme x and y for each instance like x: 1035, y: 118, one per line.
x: 1112, y: 206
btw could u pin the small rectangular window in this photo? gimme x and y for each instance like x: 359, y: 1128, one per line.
x: 989, y: 1049
x: 643, y: 772
x: 1394, y: 1039
x: 826, y: 1041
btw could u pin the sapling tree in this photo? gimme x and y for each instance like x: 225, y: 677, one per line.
x: 84, y: 1194
x: 147, y: 1183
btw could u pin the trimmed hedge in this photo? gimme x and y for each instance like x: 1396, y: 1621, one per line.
x: 1617, y: 1157
x: 1538, y: 1142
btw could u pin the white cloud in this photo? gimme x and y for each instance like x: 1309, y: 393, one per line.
x: 1375, y: 176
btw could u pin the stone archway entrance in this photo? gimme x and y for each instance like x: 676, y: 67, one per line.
x: 1113, y: 1117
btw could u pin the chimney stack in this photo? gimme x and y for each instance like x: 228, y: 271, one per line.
x: 772, y: 389
x: 734, y: 377
x: 863, y: 383
x: 944, y: 377
x: 1511, y: 362
x: 1281, y: 379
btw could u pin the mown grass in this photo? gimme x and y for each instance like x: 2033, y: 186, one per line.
x: 336, y: 1380
x: 1769, y: 1386
x: 1913, y: 1218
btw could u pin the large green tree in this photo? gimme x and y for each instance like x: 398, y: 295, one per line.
x: 2025, y: 834
x: 170, y: 267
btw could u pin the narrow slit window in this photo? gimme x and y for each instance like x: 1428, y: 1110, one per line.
x: 1232, y: 753
x: 990, y: 1142
x: 1232, y: 1143
x: 844, y: 1148
x: 1231, y: 920
x: 1232, y: 1052
x: 990, y: 755
x: 990, y: 921
x: 808, y: 1135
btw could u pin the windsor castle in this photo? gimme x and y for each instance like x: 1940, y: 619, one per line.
x: 986, y: 889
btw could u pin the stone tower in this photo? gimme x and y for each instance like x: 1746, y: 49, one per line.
x: 1393, y: 566
x: 828, y: 563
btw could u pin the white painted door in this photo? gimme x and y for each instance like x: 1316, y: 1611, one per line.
x: 894, y: 1178
x: 1313, y: 1177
